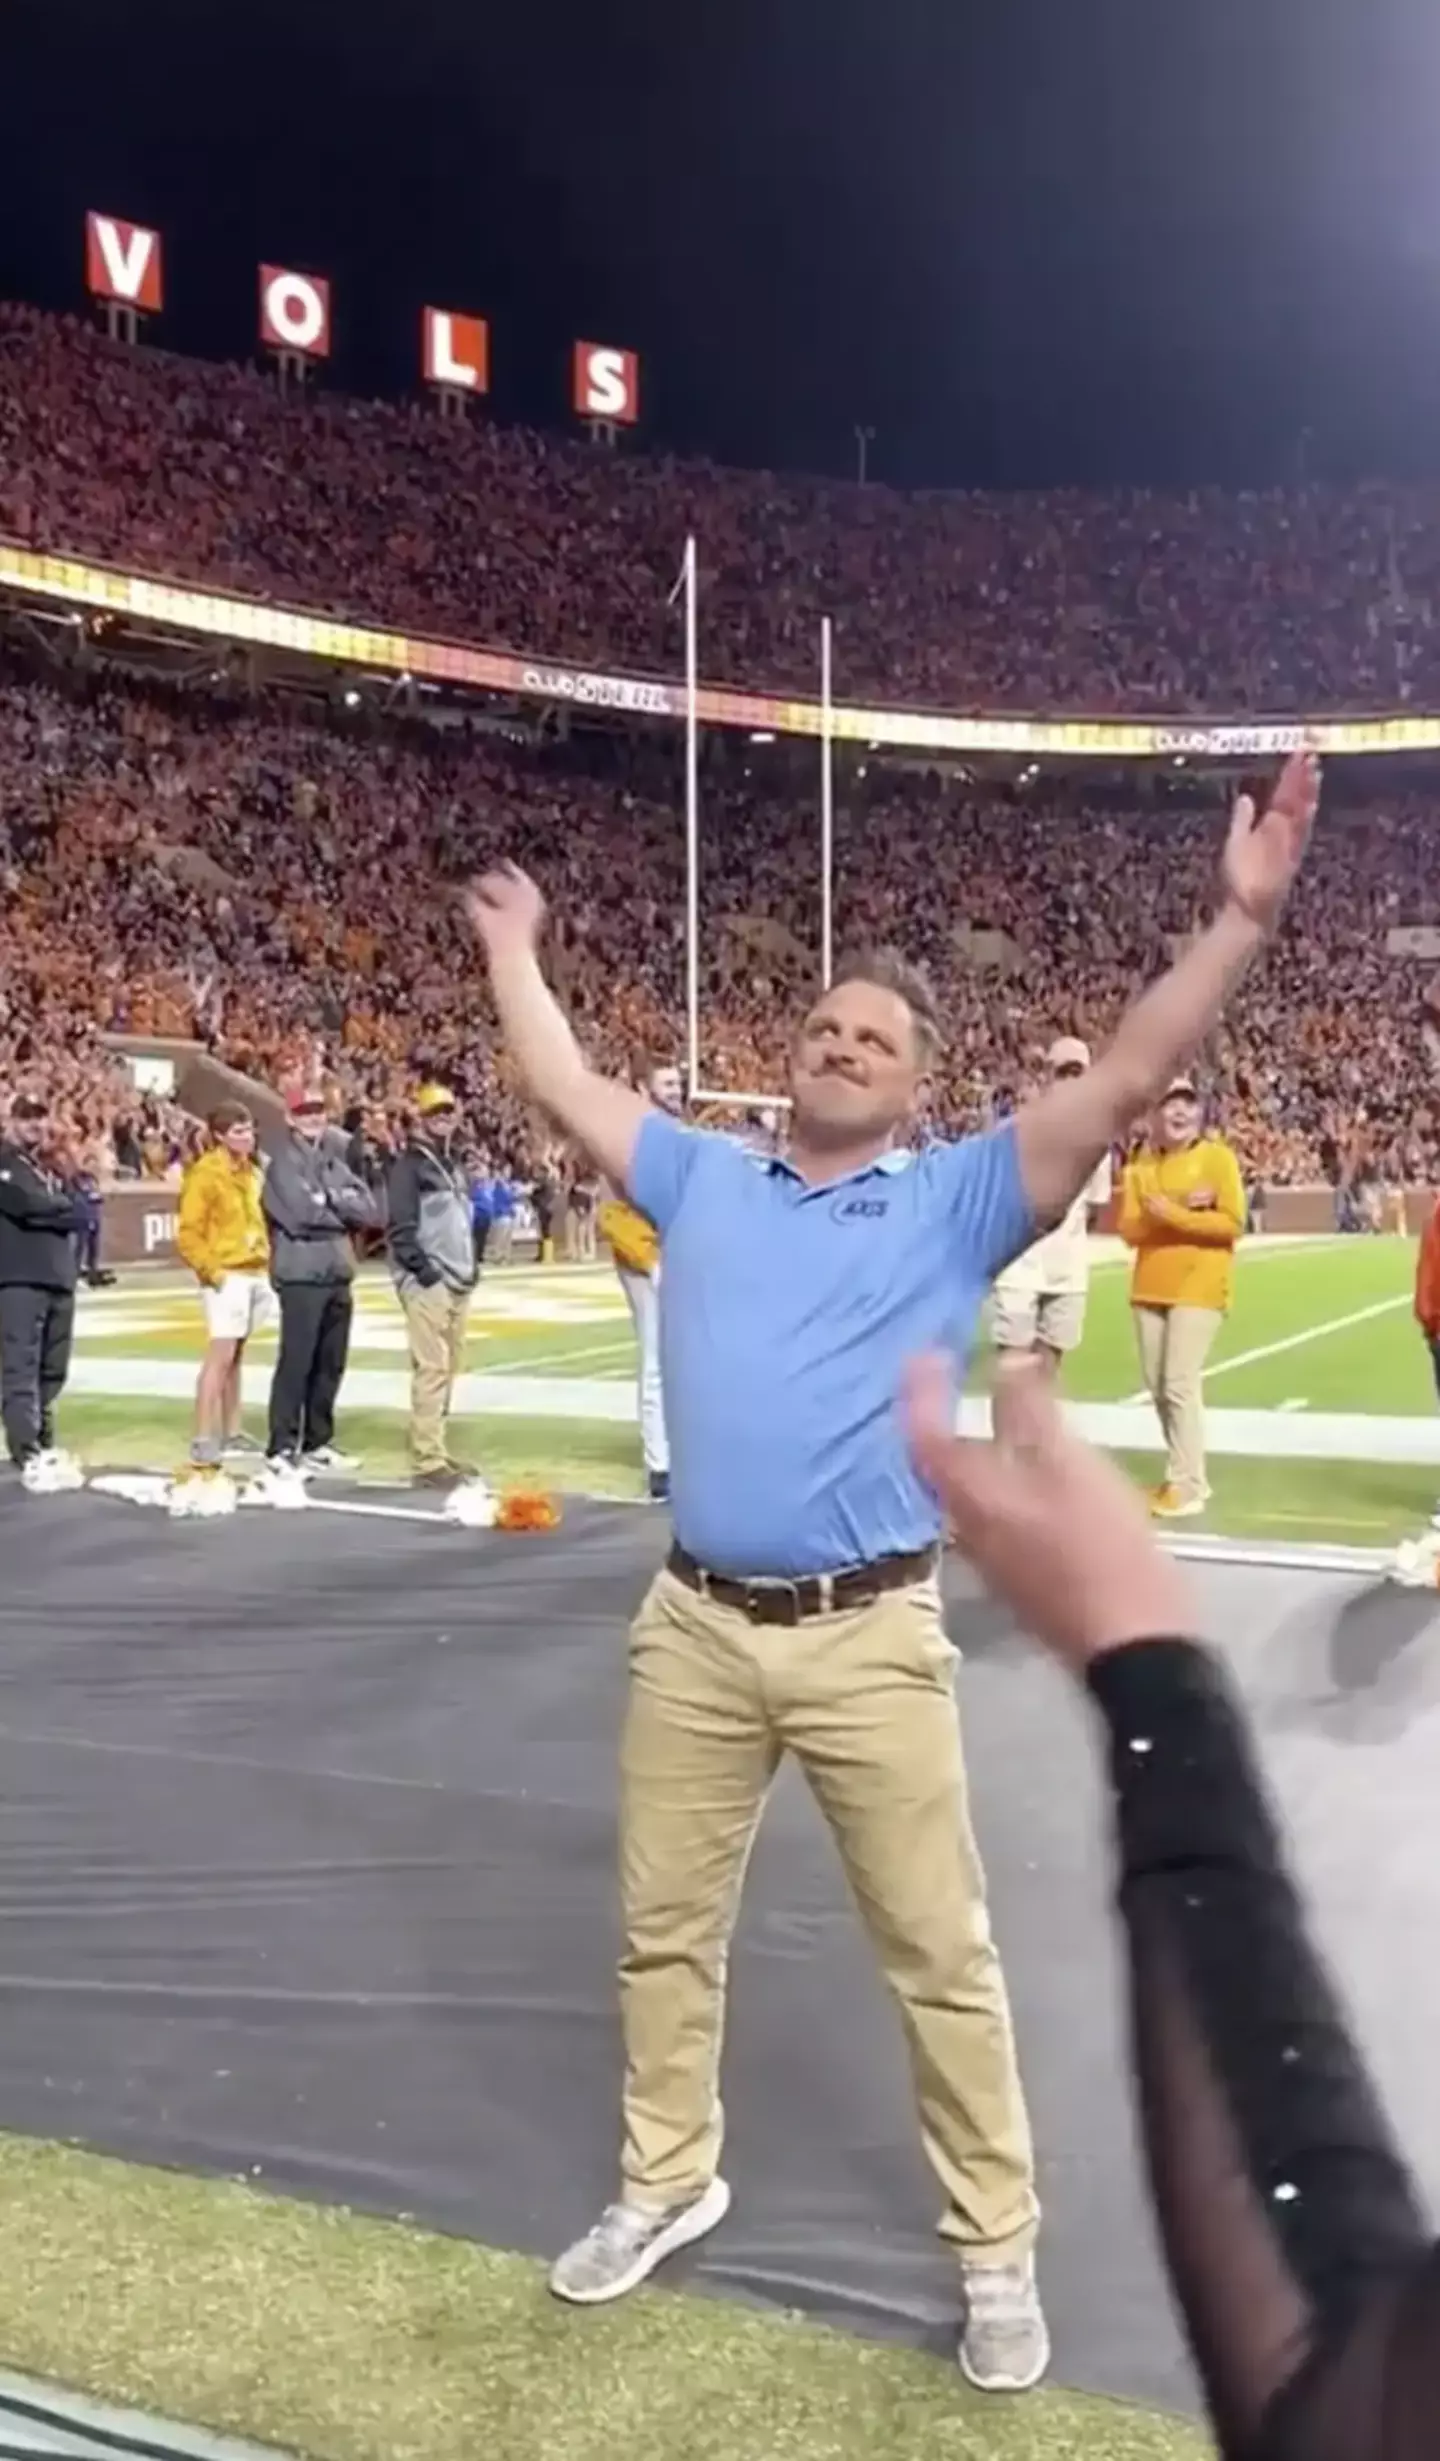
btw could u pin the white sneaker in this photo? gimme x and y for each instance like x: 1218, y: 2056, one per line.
x: 629, y: 2241
x: 330, y: 1463
x: 1005, y: 2341
x: 281, y: 1483
x: 52, y: 1473
x: 1415, y: 1563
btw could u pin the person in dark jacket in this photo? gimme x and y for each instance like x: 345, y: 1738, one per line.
x: 432, y: 1259
x: 314, y: 1203
x: 38, y: 1269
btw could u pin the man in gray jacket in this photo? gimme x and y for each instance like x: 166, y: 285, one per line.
x: 313, y: 1202
x: 431, y: 1239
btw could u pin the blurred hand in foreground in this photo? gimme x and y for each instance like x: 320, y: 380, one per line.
x: 1053, y: 1528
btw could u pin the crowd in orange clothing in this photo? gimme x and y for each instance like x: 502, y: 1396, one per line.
x: 1301, y: 599
x: 284, y: 889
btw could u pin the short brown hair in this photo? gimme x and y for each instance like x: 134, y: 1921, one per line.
x: 887, y: 970
x: 228, y: 1115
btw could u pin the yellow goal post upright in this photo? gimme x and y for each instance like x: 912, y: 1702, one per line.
x: 700, y: 1095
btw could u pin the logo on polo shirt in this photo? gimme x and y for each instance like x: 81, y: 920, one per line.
x: 859, y: 1208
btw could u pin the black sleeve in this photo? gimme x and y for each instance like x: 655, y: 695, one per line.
x: 1308, y: 2283
x: 38, y: 1212
x: 353, y: 1205
x: 404, y: 1221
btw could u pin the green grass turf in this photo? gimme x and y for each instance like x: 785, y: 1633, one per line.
x: 1283, y: 1294
x: 346, y: 2339
x: 1345, y: 1503
x: 1354, y: 1503
x: 579, y: 1456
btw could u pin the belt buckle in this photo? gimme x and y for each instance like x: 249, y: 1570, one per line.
x: 759, y: 1593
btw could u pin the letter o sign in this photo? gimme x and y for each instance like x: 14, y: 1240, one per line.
x: 294, y: 311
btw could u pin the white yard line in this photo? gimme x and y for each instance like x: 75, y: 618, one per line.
x: 1305, y: 1435
x: 1291, y: 1341
x: 560, y: 1362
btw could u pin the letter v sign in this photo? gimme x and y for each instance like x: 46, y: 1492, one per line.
x: 122, y: 261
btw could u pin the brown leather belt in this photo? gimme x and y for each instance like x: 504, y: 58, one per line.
x: 819, y: 1593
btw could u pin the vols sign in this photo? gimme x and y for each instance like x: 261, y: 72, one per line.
x: 456, y: 350
x: 122, y: 262
x: 607, y: 384
x: 295, y: 312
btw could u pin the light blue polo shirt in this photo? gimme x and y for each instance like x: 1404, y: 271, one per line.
x: 787, y: 1316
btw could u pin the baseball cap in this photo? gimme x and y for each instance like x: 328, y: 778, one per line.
x: 301, y: 1100
x: 1068, y: 1051
x: 433, y: 1098
x: 1181, y: 1085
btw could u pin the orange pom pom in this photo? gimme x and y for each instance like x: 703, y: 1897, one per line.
x: 526, y: 1509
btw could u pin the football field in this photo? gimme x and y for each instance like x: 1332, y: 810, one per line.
x: 1323, y: 1416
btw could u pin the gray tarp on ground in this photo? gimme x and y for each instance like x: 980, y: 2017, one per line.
x: 308, y: 1830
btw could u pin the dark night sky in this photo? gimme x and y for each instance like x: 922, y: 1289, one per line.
x: 1030, y: 241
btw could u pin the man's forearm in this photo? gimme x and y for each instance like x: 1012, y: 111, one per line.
x: 537, y: 1034
x: 1065, y: 1131
x: 1168, y: 1022
x: 600, y: 1114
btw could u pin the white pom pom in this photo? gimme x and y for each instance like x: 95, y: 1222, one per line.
x: 206, y: 1498
x: 473, y: 1506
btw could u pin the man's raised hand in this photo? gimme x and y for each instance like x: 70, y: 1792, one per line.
x: 1262, y: 856
x: 1053, y: 1528
x: 506, y: 909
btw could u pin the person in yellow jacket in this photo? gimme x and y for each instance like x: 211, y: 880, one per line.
x: 635, y: 1247
x: 222, y: 1236
x: 1182, y: 1210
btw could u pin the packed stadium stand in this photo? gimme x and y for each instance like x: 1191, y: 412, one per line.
x: 172, y: 862
x: 1273, y: 603
x: 178, y: 858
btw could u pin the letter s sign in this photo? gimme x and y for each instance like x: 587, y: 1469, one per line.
x: 607, y: 383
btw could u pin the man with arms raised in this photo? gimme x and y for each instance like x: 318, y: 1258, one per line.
x: 799, y: 1609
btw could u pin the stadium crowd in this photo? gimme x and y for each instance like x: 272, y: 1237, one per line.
x: 1295, y: 600
x: 283, y: 888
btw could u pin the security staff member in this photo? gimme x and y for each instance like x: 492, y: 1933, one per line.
x: 38, y: 1270
x: 314, y: 1205
x: 799, y: 1609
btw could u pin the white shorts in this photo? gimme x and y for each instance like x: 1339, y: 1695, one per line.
x: 239, y: 1305
x: 1027, y: 1319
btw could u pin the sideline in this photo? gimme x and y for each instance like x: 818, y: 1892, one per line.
x: 1274, y: 1435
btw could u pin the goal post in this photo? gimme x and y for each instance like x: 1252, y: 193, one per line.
x: 696, y: 1091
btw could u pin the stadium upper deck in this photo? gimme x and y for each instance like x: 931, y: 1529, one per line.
x: 1290, y: 603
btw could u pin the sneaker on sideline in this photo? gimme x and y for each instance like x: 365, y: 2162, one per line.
x: 1173, y: 1504
x: 629, y: 2241
x: 1005, y: 2341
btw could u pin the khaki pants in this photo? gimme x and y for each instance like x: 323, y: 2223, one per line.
x: 866, y: 1703
x: 1174, y: 1345
x: 436, y: 1321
